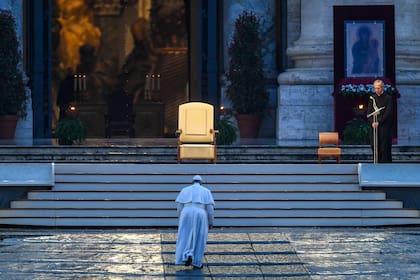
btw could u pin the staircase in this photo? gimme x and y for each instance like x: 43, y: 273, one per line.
x: 142, y: 195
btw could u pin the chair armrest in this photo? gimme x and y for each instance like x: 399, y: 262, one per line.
x: 215, y: 132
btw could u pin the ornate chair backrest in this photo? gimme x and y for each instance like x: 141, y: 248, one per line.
x: 195, y: 121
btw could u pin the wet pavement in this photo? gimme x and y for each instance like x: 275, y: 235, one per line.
x: 231, y: 253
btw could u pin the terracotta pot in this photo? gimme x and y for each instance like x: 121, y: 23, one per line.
x: 8, y: 126
x: 249, y: 125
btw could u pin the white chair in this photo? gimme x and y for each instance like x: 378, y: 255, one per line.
x: 196, y: 133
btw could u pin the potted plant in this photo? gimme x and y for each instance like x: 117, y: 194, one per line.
x: 356, y: 132
x: 246, y: 83
x: 227, y: 130
x: 12, y: 91
x: 70, y: 131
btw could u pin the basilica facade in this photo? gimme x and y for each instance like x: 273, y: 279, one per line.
x: 309, y: 49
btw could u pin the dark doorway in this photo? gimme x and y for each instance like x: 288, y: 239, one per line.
x: 134, y: 48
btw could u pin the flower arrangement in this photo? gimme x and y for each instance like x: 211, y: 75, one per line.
x: 362, y: 87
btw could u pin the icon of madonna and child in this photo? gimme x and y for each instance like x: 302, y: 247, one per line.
x: 364, y: 50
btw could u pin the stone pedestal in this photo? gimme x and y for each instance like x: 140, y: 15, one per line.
x: 408, y: 110
x: 305, y: 101
x: 407, y: 62
x: 304, y: 111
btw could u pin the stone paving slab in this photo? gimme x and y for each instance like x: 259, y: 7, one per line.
x: 232, y: 253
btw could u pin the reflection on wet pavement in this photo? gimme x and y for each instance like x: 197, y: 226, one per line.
x: 247, y: 253
x: 383, y: 253
x: 82, y: 256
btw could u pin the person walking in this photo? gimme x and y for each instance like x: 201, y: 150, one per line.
x: 195, y: 207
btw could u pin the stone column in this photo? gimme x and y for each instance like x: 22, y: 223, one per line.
x: 305, y: 101
x: 312, y: 53
x: 407, y: 64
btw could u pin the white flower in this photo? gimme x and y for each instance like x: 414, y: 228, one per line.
x: 363, y: 89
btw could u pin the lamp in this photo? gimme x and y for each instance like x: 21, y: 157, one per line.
x: 359, y: 110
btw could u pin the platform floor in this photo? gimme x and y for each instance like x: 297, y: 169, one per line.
x: 163, y: 150
x: 144, y: 142
x: 173, y: 141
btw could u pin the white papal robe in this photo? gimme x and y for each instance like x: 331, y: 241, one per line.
x: 195, y: 207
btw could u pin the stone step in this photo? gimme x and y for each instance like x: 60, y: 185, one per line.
x: 233, y: 204
x: 222, y: 222
x: 221, y: 213
x: 183, y: 179
x: 208, y: 169
x: 342, y: 187
x: 218, y: 195
x: 250, y: 194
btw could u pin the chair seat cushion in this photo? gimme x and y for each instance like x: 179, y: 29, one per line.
x: 197, y: 151
x: 330, y: 151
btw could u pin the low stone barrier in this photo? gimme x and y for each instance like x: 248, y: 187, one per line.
x: 16, y: 179
x: 399, y: 180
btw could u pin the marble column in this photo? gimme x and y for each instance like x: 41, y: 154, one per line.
x: 312, y: 53
x: 407, y: 63
x: 305, y: 101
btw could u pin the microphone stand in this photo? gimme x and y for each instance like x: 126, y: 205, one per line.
x: 375, y: 114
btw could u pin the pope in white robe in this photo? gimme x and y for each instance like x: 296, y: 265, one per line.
x: 195, y: 206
